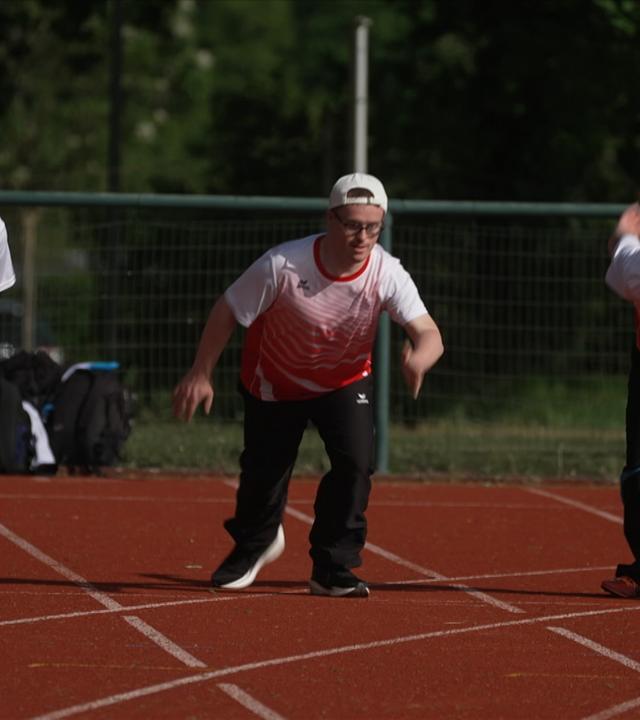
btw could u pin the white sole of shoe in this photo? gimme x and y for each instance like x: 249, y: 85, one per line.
x: 272, y: 553
x: 359, y: 591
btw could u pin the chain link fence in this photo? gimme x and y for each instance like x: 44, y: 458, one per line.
x: 536, y: 347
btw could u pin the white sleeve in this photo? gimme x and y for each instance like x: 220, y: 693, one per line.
x: 254, y: 291
x: 623, y: 275
x: 7, y: 275
x: 403, y: 301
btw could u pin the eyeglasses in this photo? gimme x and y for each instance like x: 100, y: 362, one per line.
x: 353, y: 228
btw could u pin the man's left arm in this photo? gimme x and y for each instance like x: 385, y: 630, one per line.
x: 623, y: 274
x: 422, y: 353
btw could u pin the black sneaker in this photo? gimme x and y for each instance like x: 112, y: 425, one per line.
x: 240, y: 567
x: 337, y: 582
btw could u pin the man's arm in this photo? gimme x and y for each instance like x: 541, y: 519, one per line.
x: 623, y: 274
x: 422, y: 353
x: 7, y: 275
x: 197, y: 385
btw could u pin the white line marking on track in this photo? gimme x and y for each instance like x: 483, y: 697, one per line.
x: 612, y: 655
x: 490, y: 576
x: 596, y: 647
x: 128, y: 608
x: 226, y: 501
x: 251, y: 596
x: 257, y: 708
x: 163, y: 641
x: 577, y: 504
x: 615, y: 710
x: 78, y: 580
x: 431, y: 574
x: 273, y: 662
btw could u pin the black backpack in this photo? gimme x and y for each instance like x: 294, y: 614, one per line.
x: 89, y: 420
x: 16, y: 440
x: 35, y: 374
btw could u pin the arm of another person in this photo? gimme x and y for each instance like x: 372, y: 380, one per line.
x: 197, y: 385
x: 7, y: 275
x: 623, y: 274
x: 422, y: 353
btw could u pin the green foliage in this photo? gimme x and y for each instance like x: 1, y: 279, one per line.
x: 468, y: 100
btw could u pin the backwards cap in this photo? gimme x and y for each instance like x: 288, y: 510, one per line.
x: 358, y: 181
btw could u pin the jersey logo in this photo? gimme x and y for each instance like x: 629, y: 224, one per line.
x: 304, y: 284
x: 361, y: 399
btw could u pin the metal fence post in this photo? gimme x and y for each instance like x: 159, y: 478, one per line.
x: 382, y: 370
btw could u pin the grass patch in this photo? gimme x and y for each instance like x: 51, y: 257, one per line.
x: 542, y: 429
x: 457, y: 448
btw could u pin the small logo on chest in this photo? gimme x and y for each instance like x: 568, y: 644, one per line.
x: 361, y: 399
x: 304, y: 284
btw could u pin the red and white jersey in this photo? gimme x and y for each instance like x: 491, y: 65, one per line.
x: 309, y: 332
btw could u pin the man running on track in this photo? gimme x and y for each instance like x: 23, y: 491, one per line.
x: 311, y: 309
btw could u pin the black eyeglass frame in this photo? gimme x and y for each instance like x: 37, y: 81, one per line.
x: 354, y: 228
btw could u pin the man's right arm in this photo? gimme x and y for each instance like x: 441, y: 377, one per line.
x: 197, y: 385
x: 7, y: 275
x: 623, y: 274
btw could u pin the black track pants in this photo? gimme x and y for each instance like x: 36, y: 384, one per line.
x: 272, y: 434
x: 630, y: 479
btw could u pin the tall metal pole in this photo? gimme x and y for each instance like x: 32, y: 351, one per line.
x: 115, y: 96
x: 108, y: 310
x: 360, y: 164
x: 360, y: 92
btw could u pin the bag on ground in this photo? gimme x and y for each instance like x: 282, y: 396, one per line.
x: 17, y: 447
x: 35, y: 374
x: 89, y: 420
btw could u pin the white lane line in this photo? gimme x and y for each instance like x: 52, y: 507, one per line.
x: 257, y: 708
x: 78, y: 580
x: 577, y: 504
x: 430, y: 574
x: 163, y: 641
x: 491, y: 576
x: 596, y: 647
x: 612, y: 655
x: 251, y: 596
x: 173, y: 500
x: 615, y: 710
x: 127, y: 608
x: 111, y: 700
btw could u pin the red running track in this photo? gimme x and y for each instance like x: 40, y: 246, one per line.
x: 485, y: 603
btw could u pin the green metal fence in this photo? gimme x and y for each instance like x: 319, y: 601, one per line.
x: 533, y: 376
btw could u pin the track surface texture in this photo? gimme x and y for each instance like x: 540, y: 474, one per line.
x: 485, y: 603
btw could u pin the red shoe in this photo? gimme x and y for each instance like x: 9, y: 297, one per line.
x: 622, y: 586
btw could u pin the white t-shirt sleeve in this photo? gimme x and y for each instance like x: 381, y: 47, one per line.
x: 403, y: 301
x: 7, y: 275
x: 254, y: 291
x: 623, y: 275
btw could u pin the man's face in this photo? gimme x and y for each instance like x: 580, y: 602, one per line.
x: 354, y: 230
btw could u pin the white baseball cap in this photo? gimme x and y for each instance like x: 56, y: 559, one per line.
x: 358, y: 181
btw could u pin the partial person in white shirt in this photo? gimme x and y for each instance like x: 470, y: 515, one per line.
x: 311, y: 309
x: 7, y: 275
x: 623, y: 277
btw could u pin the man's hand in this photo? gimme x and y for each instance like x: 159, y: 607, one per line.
x: 421, y: 352
x: 194, y: 388
x: 412, y: 369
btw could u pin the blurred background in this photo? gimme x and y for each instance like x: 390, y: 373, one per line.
x: 508, y: 138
